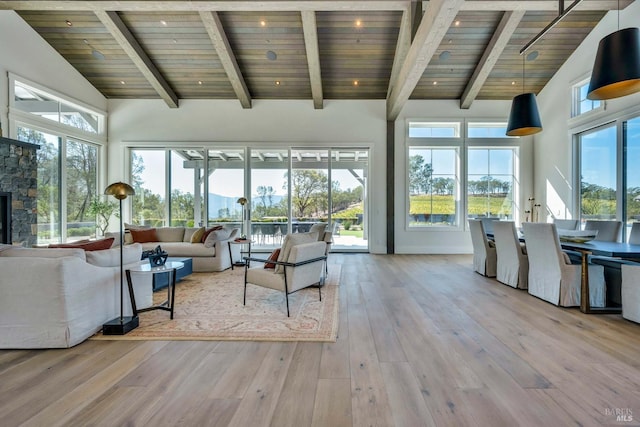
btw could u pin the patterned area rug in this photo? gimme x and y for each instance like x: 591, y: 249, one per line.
x: 209, y: 306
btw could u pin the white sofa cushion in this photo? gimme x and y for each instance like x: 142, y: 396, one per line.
x: 111, y: 257
x: 170, y: 234
x: 44, y: 252
x: 181, y: 249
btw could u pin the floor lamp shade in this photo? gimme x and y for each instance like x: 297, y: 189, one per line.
x: 616, y: 71
x: 524, y: 118
x: 120, y: 325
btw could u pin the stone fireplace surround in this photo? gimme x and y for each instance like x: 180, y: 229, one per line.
x: 19, y: 177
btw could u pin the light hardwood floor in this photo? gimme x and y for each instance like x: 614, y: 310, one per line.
x: 423, y: 340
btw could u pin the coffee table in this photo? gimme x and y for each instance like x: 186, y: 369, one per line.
x: 162, y: 280
x: 170, y: 267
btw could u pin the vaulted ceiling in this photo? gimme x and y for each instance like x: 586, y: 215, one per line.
x: 315, y: 49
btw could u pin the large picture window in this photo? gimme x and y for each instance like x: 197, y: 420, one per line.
x: 598, y: 169
x: 433, y: 186
x: 75, y: 162
x: 490, y: 182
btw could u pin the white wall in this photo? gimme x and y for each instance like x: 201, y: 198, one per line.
x: 26, y: 54
x: 553, y: 154
x: 198, y: 123
x: 451, y: 241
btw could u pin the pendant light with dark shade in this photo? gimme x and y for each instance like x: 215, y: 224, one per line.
x: 524, y: 118
x: 616, y: 71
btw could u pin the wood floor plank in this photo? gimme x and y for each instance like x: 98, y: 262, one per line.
x: 332, y: 405
x: 369, y: 402
x: 302, y: 380
x: 95, y: 377
x: 407, y: 404
x: 422, y: 339
x: 236, y: 379
x: 257, y: 406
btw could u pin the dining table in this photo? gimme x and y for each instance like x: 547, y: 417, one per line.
x: 613, y: 250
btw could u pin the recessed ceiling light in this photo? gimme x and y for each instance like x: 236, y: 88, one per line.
x: 271, y: 55
x: 122, y: 82
x: 175, y: 40
x: 457, y: 23
x: 277, y: 82
x: 358, y: 23
x: 163, y: 22
x: 199, y: 82
x: 356, y: 83
x: 69, y: 23
x: 263, y: 23
x: 513, y: 83
x: 435, y: 83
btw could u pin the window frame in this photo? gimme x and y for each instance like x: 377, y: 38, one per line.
x: 457, y: 190
x: 576, y: 100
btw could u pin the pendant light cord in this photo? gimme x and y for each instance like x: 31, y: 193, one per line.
x: 523, y: 83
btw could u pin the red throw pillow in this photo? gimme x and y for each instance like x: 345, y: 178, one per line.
x: 144, y: 236
x: 208, y: 231
x: 272, y: 257
x: 95, y: 245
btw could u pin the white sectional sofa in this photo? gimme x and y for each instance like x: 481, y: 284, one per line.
x: 176, y: 241
x: 57, y: 298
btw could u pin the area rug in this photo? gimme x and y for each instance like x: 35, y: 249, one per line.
x: 208, y: 306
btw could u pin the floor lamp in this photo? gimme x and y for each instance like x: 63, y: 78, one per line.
x: 120, y: 325
x: 243, y: 202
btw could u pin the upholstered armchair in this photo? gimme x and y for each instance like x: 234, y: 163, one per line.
x: 484, y: 251
x: 299, y: 265
x: 513, y: 264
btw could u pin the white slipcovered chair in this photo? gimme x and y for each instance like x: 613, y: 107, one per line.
x: 299, y: 265
x: 484, y: 251
x: 513, y: 264
x: 552, y: 277
x: 634, y: 236
x: 631, y: 292
x: 566, y: 224
x: 608, y: 231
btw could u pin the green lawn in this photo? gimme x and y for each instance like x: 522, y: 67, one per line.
x: 356, y: 233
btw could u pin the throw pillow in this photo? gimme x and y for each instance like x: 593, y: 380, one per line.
x: 272, y: 257
x: 291, y: 240
x: 209, y: 230
x: 96, y: 245
x: 216, y: 236
x: 196, y: 237
x: 144, y: 235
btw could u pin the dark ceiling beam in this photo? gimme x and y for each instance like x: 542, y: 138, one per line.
x: 434, y: 25
x: 507, y: 26
x: 212, y: 5
x: 310, y: 30
x: 218, y: 37
x: 131, y: 46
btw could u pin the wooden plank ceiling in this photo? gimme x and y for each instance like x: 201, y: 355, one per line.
x: 314, y: 49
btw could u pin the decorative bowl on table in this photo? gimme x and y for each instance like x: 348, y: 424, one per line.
x: 577, y: 236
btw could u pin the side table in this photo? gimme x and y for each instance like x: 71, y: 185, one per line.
x: 170, y: 267
x: 239, y: 242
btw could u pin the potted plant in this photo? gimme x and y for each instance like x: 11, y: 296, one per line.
x: 102, y: 211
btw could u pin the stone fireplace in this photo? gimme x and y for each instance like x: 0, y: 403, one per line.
x: 18, y: 192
